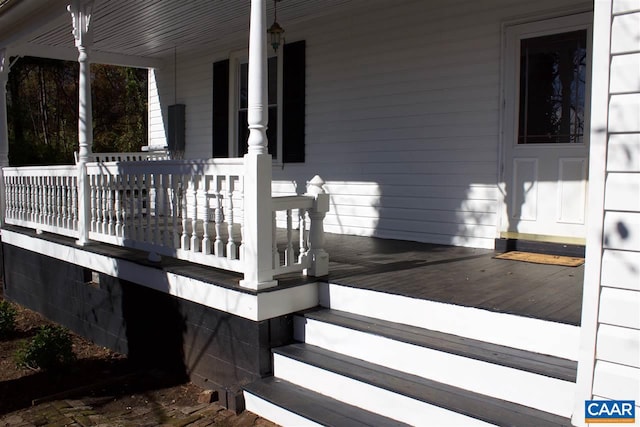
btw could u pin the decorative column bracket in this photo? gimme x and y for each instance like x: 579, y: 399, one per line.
x: 83, y: 35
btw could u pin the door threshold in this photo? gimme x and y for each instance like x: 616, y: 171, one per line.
x: 551, y: 245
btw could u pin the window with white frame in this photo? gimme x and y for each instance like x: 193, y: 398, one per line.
x: 239, y: 116
x: 286, y: 108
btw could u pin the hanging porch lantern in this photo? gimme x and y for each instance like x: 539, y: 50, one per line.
x: 275, y: 31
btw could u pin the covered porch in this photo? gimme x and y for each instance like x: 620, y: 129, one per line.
x: 408, y: 121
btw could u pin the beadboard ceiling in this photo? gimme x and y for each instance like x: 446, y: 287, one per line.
x: 143, y: 32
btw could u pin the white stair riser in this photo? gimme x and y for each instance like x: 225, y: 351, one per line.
x: 525, y: 388
x: 275, y: 413
x: 538, y: 336
x: 366, y: 396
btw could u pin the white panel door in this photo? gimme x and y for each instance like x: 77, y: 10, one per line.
x: 545, y: 164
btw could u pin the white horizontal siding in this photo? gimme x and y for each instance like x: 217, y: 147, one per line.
x: 624, y: 73
x: 624, y: 153
x: 407, y: 98
x: 622, y: 230
x: 619, y: 345
x: 625, y: 33
x: 620, y: 307
x: 622, y: 192
x: 625, y: 6
x: 156, y: 130
x: 616, y: 374
x: 403, y: 115
x: 620, y: 269
x: 618, y: 382
x: 624, y: 113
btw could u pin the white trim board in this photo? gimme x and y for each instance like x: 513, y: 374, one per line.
x: 250, y: 306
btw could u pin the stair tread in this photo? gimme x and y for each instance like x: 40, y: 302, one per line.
x: 466, y: 402
x: 315, y: 406
x: 550, y: 366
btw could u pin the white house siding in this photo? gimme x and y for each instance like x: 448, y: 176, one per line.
x: 403, y: 114
x: 157, y: 135
x: 617, y: 367
x: 610, y: 367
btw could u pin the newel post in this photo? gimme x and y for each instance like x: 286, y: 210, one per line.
x: 318, y: 257
x: 82, y: 32
x: 257, y: 230
x: 4, y: 128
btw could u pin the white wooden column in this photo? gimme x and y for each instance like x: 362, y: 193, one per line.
x: 81, y: 17
x: 4, y: 126
x: 257, y: 234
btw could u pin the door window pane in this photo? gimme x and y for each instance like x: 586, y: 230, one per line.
x: 553, y: 71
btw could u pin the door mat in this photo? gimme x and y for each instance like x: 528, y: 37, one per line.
x: 535, y: 258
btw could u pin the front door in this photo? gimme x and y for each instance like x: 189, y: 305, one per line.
x: 544, y: 179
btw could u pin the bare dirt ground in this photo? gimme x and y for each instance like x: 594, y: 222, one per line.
x: 100, y: 388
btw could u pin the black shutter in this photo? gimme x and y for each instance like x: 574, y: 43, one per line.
x: 293, y: 108
x: 220, y: 131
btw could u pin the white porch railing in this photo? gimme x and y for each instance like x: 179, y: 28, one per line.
x: 187, y: 210
x: 190, y: 210
x: 45, y: 199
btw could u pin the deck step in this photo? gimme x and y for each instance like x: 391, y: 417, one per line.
x: 405, y: 397
x: 545, y: 383
x: 529, y: 334
x: 549, y: 366
x: 290, y: 404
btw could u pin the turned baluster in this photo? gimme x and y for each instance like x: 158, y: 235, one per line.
x: 185, y: 219
x: 229, y: 217
x: 156, y: 208
x: 302, y: 225
x: 289, y: 252
x: 218, y: 247
x: 139, y: 201
x: 204, y: 211
x: 117, y: 206
x: 93, y: 198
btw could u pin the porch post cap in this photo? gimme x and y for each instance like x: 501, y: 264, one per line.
x: 314, y: 186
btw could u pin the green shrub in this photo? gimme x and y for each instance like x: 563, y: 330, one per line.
x: 50, y: 349
x: 7, y: 319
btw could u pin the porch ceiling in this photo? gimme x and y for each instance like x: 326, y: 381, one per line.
x: 141, y: 33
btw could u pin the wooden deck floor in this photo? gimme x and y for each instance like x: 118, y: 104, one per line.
x: 463, y: 276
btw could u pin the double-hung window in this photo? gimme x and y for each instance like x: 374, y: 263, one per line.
x: 286, y: 105
x: 240, y: 103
